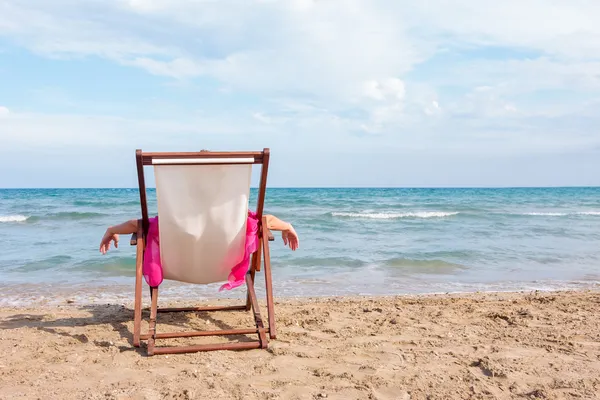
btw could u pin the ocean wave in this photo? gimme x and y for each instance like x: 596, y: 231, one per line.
x: 44, y: 264
x: 105, y: 204
x: 546, y: 214
x: 559, y: 214
x: 327, y: 262
x: 13, y: 218
x: 111, y: 266
x: 430, y: 265
x: 52, y: 216
x: 394, y: 215
x: 67, y: 215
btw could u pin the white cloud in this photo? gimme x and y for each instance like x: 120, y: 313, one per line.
x: 517, y: 76
x: 4, y: 111
x: 391, y: 88
x: 90, y: 131
x: 484, y: 102
x: 433, y: 108
x: 262, y: 118
x: 177, y: 68
x: 340, y: 40
x: 340, y: 67
x: 560, y: 28
x: 304, y: 46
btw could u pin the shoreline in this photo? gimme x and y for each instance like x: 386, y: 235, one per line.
x: 505, y: 345
x: 48, y: 296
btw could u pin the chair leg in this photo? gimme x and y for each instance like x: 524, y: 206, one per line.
x: 254, y: 266
x: 269, y: 287
x: 137, y: 309
x: 137, y: 314
x: 256, y: 311
x: 252, y: 273
x: 152, y: 322
x: 251, y: 304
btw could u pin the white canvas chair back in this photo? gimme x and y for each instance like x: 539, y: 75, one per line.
x: 202, y: 214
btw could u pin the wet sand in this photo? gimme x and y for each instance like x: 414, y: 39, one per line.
x: 477, y: 346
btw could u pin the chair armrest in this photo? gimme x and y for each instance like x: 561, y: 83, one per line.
x: 134, y: 236
x: 266, y: 230
x: 269, y: 234
x: 133, y: 240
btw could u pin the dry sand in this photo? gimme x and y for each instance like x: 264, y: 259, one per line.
x: 479, y: 346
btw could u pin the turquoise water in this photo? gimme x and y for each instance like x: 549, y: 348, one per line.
x: 352, y: 241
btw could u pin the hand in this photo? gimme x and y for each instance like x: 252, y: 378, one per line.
x: 290, y: 237
x: 106, y: 239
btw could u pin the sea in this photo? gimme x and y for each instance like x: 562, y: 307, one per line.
x: 352, y: 242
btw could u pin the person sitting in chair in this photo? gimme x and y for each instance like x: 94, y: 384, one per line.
x: 288, y: 234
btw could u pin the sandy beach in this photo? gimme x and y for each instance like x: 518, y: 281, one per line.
x: 535, y: 345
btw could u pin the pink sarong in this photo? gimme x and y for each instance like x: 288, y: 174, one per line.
x: 152, y: 268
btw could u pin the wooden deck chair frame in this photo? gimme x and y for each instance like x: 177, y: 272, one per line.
x: 139, y: 240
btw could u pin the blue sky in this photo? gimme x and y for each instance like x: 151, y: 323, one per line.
x: 344, y: 92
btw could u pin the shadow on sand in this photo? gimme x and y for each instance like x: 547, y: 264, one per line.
x: 117, y: 316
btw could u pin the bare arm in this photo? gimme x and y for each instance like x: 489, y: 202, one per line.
x: 288, y: 233
x: 124, y: 228
x: 275, y: 224
x: 113, y: 232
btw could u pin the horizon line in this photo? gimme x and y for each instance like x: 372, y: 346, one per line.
x: 323, y: 187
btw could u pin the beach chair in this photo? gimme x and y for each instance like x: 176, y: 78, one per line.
x: 202, y: 200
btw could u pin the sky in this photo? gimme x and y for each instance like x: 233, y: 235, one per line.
x: 343, y: 92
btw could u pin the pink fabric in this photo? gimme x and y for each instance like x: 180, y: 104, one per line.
x: 152, y: 268
x: 238, y: 272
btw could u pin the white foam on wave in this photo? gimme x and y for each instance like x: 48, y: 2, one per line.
x: 561, y: 214
x: 384, y: 215
x: 13, y: 218
x: 547, y: 214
